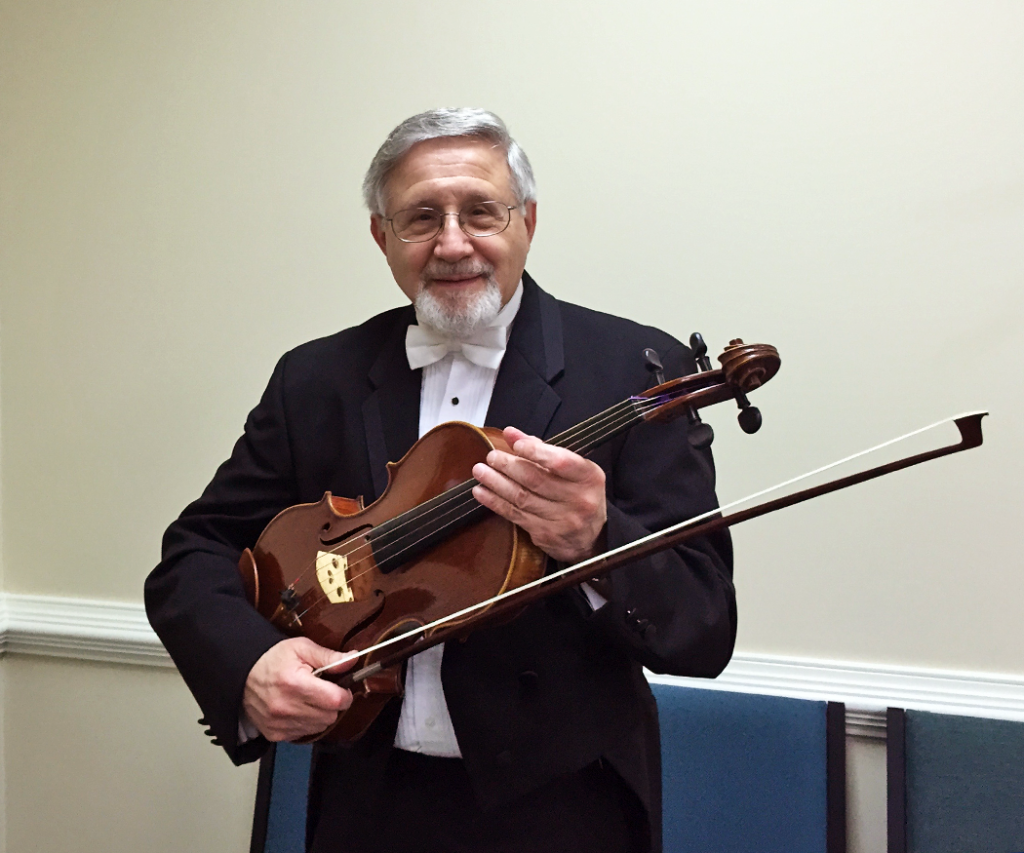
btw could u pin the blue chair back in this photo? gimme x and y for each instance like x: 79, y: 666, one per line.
x: 962, y: 786
x: 743, y: 772
x: 279, y: 820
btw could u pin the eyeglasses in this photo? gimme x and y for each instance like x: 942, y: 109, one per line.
x: 478, y: 219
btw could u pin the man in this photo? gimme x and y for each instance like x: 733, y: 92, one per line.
x: 539, y: 734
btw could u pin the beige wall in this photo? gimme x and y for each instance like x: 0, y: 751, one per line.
x: 3, y: 756
x: 108, y: 758
x: 180, y: 204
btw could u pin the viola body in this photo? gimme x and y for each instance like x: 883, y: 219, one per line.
x: 348, y: 577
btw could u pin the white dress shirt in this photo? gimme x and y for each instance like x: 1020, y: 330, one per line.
x: 453, y: 389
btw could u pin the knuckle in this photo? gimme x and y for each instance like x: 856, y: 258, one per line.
x: 527, y: 479
x: 513, y: 513
x: 277, y: 708
x: 520, y: 498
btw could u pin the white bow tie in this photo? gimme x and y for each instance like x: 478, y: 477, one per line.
x: 424, y: 346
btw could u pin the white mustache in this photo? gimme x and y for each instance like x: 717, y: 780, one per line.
x: 457, y: 270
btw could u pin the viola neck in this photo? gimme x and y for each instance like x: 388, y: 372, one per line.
x: 602, y: 427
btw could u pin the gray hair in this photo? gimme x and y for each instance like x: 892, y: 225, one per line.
x: 437, y: 124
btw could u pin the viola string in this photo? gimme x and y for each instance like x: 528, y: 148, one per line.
x: 690, y: 522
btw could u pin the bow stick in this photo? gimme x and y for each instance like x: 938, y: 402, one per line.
x: 503, y: 605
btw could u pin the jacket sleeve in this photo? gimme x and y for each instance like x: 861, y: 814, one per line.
x: 195, y: 599
x: 675, y: 612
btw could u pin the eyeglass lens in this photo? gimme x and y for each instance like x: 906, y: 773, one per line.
x: 480, y: 219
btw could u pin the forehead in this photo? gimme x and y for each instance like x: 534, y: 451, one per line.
x: 442, y: 170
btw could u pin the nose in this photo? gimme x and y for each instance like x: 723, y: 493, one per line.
x: 452, y: 243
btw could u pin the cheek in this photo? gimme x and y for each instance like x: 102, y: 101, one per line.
x: 497, y: 254
x: 406, y: 267
x: 404, y: 259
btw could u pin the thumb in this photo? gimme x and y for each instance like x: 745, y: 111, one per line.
x: 317, y: 657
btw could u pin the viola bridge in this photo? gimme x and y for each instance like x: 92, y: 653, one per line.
x: 332, y: 574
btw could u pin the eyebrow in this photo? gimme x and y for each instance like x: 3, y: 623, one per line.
x: 471, y: 198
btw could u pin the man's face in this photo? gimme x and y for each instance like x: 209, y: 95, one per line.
x: 453, y: 267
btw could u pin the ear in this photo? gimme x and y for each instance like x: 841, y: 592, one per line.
x: 379, y: 232
x: 530, y: 218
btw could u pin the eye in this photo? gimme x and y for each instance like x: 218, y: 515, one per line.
x: 416, y: 221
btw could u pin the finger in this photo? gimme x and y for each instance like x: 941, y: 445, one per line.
x: 559, y: 461
x: 281, y: 683
x: 500, y: 506
x: 513, y: 434
x: 505, y: 492
x: 526, y: 484
x: 319, y: 658
x: 312, y: 689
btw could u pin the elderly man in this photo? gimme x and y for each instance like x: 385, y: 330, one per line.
x: 539, y: 734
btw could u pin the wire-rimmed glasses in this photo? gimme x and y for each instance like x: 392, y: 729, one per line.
x: 477, y: 219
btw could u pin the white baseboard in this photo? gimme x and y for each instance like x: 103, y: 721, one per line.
x: 118, y: 632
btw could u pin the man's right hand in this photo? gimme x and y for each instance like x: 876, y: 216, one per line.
x: 283, y: 698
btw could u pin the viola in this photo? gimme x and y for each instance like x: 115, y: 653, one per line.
x: 351, y: 577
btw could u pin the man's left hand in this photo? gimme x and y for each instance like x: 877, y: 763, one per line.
x: 555, y: 495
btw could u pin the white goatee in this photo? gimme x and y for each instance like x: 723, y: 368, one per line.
x: 458, y: 321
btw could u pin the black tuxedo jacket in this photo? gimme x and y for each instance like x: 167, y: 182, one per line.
x: 552, y: 691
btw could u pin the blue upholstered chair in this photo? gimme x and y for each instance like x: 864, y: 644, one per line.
x: 279, y: 820
x: 745, y: 773
x: 956, y: 784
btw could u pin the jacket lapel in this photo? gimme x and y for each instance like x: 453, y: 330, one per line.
x: 523, y: 396
x: 391, y: 413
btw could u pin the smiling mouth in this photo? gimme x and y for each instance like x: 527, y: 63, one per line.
x: 460, y: 279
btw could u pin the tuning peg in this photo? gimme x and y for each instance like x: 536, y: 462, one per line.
x: 701, y: 434
x: 700, y: 352
x: 749, y: 416
x: 653, y: 363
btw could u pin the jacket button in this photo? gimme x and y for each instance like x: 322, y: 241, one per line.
x: 528, y: 682
x: 504, y: 757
